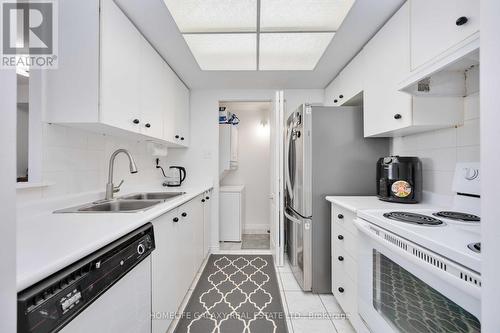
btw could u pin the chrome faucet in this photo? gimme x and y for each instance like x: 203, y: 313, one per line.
x: 110, y: 187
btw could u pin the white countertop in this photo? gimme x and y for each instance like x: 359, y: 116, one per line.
x: 48, y: 242
x: 355, y: 203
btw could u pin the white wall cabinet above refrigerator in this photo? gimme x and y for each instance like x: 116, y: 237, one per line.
x: 347, y: 87
x: 111, y: 80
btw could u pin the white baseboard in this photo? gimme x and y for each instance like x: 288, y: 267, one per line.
x: 213, y: 249
x: 254, y: 229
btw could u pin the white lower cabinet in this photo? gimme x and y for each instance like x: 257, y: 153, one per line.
x: 232, y: 212
x: 179, y: 253
x: 344, y: 263
x: 207, y: 220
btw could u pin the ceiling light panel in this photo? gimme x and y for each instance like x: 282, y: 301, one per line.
x: 224, y: 51
x: 303, y: 15
x: 292, y: 51
x: 214, y: 15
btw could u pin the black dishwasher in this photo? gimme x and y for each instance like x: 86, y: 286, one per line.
x: 53, y: 302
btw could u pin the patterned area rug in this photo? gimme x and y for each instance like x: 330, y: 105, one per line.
x: 235, y: 293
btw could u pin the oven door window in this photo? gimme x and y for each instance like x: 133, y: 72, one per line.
x: 410, y: 305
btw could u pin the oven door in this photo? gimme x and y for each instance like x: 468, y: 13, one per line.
x: 401, y: 292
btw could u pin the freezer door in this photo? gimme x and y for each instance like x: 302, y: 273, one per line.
x: 297, y: 166
x: 299, y: 249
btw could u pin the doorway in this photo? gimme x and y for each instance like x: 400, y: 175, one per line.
x: 245, y: 175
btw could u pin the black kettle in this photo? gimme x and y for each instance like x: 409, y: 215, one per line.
x: 175, y: 177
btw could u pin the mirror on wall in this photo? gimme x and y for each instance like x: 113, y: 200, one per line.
x: 23, y: 109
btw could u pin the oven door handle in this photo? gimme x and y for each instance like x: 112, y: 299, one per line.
x: 471, y: 290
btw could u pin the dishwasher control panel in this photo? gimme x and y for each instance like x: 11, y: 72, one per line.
x: 52, y: 303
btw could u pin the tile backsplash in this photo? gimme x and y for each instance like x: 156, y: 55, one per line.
x: 441, y: 149
x: 76, y: 161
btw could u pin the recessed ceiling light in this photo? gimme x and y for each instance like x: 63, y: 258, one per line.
x: 214, y: 15
x: 224, y: 51
x: 239, y: 34
x: 292, y: 51
x: 303, y: 15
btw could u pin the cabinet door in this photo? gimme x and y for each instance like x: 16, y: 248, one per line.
x: 181, y: 105
x: 168, y: 97
x: 165, y: 274
x: 71, y: 92
x: 151, y: 100
x: 230, y: 217
x: 349, y: 83
x: 434, y: 27
x: 121, y: 46
x: 385, y: 108
x: 191, y: 248
x: 207, y: 222
x: 332, y: 92
x: 196, y: 219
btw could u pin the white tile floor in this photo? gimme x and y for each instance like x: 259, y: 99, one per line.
x: 307, y: 312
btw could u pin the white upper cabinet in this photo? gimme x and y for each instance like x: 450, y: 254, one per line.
x: 349, y: 84
x: 387, y: 111
x: 373, y: 79
x: 440, y: 26
x: 152, y: 107
x: 122, y: 86
x: 181, y: 116
x: 386, y: 108
x: 120, y: 50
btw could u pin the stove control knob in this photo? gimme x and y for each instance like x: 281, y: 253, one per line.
x: 141, y: 249
x: 340, y: 216
x: 340, y: 237
x: 341, y: 290
x: 341, y: 258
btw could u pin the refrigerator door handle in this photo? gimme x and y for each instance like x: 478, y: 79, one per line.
x: 287, y: 171
x: 292, y: 218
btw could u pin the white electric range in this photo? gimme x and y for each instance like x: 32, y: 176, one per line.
x: 420, y: 268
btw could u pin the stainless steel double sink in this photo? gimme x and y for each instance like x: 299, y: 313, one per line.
x: 131, y: 203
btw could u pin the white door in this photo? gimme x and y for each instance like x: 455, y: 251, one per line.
x: 276, y: 197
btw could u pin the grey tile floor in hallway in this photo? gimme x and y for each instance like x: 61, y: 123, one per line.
x: 248, y: 242
x: 307, y: 312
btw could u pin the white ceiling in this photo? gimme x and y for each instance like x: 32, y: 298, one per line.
x: 154, y: 20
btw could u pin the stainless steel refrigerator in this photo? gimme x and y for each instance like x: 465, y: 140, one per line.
x: 325, y: 154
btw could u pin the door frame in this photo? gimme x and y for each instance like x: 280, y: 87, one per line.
x: 278, y: 172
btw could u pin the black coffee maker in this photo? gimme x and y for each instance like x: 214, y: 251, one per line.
x: 399, y: 179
